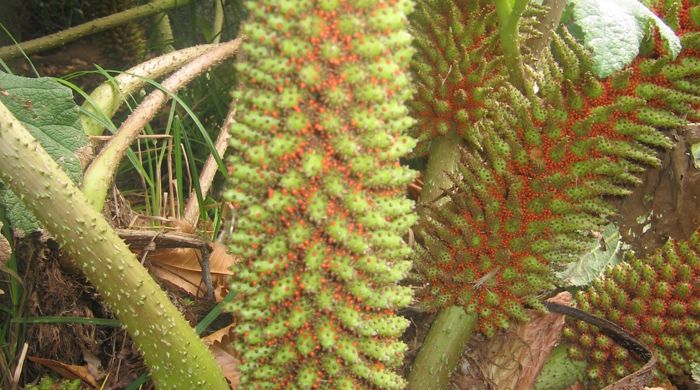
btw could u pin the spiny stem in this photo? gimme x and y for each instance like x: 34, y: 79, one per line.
x: 98, y: 177
x: 452, y: 328
x: 106, y: 99
x: 442, y: 349
x: 509, y: 13
x: 175, y: 355
x: 98, y: 25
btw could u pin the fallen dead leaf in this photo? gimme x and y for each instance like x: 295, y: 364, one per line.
x: 666, y: 203
x: 228, y: 364
x: 67, y: 371
x: 218, y: 337
x: 218, y: 343
x: 512, y: 360
x: 94, y: 365
x: 180, y: 267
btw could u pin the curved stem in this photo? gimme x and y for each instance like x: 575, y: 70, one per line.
x: 175, y: 355
x: 98, y: 177
x: 98, y: 25
x: 509, y: 13
x: 163, y: 35
x: 206, y: 177
x: 218, y: 26
x: 452, y: 328
x: 106, y: 99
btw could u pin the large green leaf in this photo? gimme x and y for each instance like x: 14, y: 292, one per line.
x: 604, y: 252
x: 614, y: 29
x: 47, y: 109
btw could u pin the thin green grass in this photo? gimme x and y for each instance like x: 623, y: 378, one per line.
x: 68, y: 320
x: 26, y: 57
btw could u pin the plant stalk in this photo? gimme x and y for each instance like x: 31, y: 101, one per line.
x: 99, y: 175
x: 98, y: 25
x: 163, y: 34
x: 452, y: 328
x: 206, y: 177
x: 441, y: 349
x: 218, y: 26
x: 106, y: 99
x: 509, y: 13
x: 175, y: 355
x: 444, y: 156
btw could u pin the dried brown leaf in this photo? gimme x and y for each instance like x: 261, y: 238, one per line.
x: 512, y: 360
x: 218, y: 343
x: 221, y: 336
x: 180, y: 267
x: 67, y: 371
x: 228, y: 363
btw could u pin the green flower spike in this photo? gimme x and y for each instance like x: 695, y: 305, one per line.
x: 319, y: 194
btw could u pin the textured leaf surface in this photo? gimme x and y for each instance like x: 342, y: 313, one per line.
x: 47, y: 109
x: 695, y: 151
x: 614, y: 30
x: 602, y: 253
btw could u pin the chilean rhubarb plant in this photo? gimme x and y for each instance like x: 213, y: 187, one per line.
x: 530, y: 127
x: 541, y: 159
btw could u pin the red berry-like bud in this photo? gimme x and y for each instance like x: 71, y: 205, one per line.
x: 676, y: 309
x: 654, y: 325
x: 644, y: 289
x: 576, y: 353
x: 667, y: 273
x: 582, y: 327
x: 637, y: 306
x: 614, y: 315
x: 647, y: 273
x: 663, y: 290
x: 657, y: 306
x: 694, y: 307
x: 674, y: 325
x: 630, y: 323
x: 603, y: 341
x: 647, y: 338
x: 599, y: 356
x: 619, y: 370
x: 568, y: 332
x: 620, y: 353
x: 593, y: 373
x: 668, y: 342
x: 682, y: 290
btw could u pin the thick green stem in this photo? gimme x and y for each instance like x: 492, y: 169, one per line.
x: 98, y: 25
x: 559, y: 371
x: 444, y: 155
x: 106, y: 99
x: 176, y: 357
x: 452, y: 328
x: 218, y: 26
x: 163, y: 34
x: 509, y: 13
x: 442, y: 349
